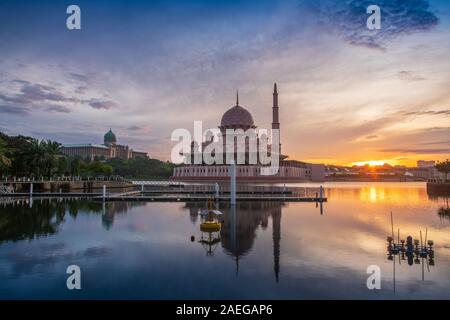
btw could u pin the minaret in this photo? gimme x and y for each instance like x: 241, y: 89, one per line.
x: 275, y: 118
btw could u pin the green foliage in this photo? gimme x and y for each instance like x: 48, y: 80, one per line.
x: 29, y: 156
x: 444, y: 167
x: 5, y: 162
x: 98, y: 168
x: 26, y: 156
x: 142, y: 168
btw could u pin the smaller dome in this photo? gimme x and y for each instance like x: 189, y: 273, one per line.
x: 109, y: 137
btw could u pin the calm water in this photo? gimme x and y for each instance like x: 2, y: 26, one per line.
x: 264, y: 250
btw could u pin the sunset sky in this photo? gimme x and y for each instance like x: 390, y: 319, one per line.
x: 347, y: 94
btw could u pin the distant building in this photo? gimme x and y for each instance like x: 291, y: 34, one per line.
x: 423, y: 173
x: 426, y: 164
x: 426, y: 173
x: 108, y: 150
x: 237, y: 117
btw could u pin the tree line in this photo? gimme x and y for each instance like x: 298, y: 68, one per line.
x: 22, y: 156
x: 444, y: 167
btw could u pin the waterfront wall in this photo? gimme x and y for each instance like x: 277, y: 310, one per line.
x: 65, y: 186
x: 260, y: 179
x: 310, y: 172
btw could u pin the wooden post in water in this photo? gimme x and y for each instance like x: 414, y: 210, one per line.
x: 216, y: 187
x: 233, y: 183
x: 31, y: 190
x: 104, y: 192
x: 392, y: 225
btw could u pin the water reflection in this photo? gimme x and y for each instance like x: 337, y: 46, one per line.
x: 444, y: 213
x: 21, y: 221
x: 239, y: 225
x: 263, y: 249
x: 444, y: 209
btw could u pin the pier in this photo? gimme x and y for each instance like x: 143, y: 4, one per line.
x: 186, y: 193
x: 175, y: 197
x: 188, y: 198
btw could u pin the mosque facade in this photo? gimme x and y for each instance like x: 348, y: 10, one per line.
x: 108, y: 150
x: 237, y: 117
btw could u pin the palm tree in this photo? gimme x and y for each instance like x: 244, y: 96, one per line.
x: 52, y: 155
x: 36, y: 157
x: 444, y: 167
x: 5, y: 162
x: 43, y: 157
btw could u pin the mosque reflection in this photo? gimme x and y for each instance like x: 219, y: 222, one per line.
x: 238, y: 228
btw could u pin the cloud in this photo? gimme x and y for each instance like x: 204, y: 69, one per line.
x: 444, y: 113
x: 38, y: 92
x: 447, y: 142
x: 409, y: 76
x: 96, y: 252
x: 134, y: 128
x: 78, y: 77
x: 56, y: 108
x: 36, y: 95
x: 102, y: 104
x: 417, y: 151
x: 398, y: 17
x: 81, y: 90
x: 13, y: 109
x: 139, y: 129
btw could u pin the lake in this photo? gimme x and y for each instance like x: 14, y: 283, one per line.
x: 265, y: 250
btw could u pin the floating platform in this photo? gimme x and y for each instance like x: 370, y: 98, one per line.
x: 51, y: 195
x: 166, y: 198
x: 182, y: 198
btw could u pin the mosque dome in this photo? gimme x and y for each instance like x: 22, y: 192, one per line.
x: 237, y: 117
x: 110, y: 137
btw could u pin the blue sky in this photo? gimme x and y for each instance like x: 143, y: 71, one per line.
x: 145, y: 68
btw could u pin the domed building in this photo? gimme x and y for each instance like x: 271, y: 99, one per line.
x: 239, y: 118
x: 108, y: 150
x: 109, y: 139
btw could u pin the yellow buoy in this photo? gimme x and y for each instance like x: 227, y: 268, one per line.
x: 210, y: 226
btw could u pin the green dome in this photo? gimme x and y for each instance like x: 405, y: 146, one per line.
x: 110, y: 137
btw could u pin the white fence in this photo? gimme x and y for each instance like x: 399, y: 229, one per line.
x: 6, y: 189
x: 158, y: 183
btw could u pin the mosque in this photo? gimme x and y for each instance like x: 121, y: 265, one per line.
x: 108, y: 150
x: 237, y: 117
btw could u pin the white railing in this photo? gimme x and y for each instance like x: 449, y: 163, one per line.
x: 6, y: 189
x: 158, y: 183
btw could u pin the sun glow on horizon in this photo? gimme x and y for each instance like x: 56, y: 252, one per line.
x: 372, y: 163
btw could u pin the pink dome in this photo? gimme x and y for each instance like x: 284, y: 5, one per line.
x: 237, y: 118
